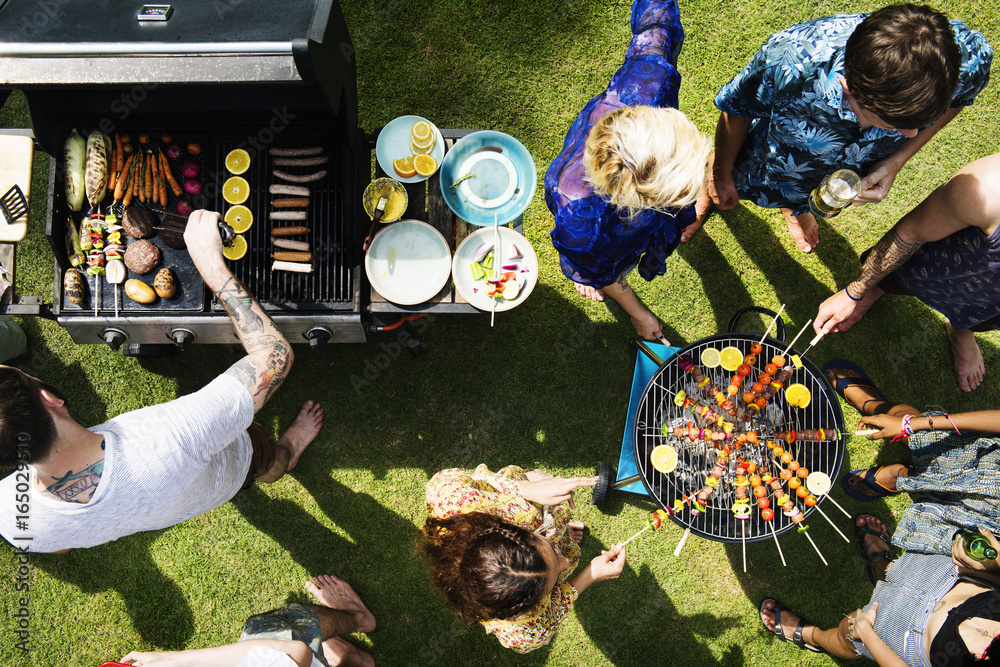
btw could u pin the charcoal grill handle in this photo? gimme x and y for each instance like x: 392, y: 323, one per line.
x: 734, y: 320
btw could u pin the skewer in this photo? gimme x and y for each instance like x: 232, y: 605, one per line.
x: 797, y: 337
x: 832, y: 524
x: 867, y: 431
x: 663, y: 340
x: 816, y: 548
x: 97, y: 294
x: 680, y: 545
x: 838, y: 505
x: 636, y: 535
x: 498, y: 262
x: 773, y: 322
x: 817, y: 338
x: 743, y: 524
x: 777, y: 544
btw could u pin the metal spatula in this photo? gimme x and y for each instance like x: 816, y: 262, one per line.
x: 13, y: 204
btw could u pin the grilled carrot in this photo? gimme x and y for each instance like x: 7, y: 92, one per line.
x: 123, y: 178
x: 175, y: 186
x: 112, y: 174
x: 149, y: 180
x: 119, y: 153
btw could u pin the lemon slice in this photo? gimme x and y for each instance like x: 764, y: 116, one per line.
x: 237, y: 250
x: 425, y: 164
x: 238, y: 161
x: 419, y: 150
x: 422, y: 132
x: 730, y: 358
x: 710, y: 357
x: 235, y: 190
x: 798, y: 395
x: 239, y: 218
x: 663, y: 458
x: 404, y: 166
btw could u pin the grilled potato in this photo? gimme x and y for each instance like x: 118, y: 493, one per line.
x: 139, y: 291
x: 165, y: 283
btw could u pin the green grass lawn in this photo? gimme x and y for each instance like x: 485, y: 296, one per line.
x: 546, y: 387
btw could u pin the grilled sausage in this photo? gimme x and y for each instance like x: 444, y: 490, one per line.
x: 290, y: 190
x: 289, y: 231
x: 295, y: 152
x: 289, y: 256
x: 291, y: 266
x: 287, y: 215
x: 301, y: 161
x: 288, y: 244
x: 307, y: 178
x: 293, y: 202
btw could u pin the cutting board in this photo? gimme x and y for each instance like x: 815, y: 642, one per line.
x: 15, y: 167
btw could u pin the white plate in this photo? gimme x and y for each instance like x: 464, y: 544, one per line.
x: 473, y: 290
x: 394, y: 143
x: 408, y: 262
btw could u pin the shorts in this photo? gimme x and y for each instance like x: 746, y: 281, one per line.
x: 263, y: 456
x: 293, y: 622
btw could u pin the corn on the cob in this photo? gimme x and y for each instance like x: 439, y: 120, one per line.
x: 96, y: 174
x: 74, y: 151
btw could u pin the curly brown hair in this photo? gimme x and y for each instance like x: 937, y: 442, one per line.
x: 486, y: 567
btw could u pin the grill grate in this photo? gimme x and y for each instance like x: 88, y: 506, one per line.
x: 695, y: 460
x: 330, y: 286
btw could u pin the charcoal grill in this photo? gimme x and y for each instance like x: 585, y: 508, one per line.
x: 254, y: 74
x: 695, y: 459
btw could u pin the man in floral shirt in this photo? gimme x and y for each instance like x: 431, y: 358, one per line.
x: 862, y: 92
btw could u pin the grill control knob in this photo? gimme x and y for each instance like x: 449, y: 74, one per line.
x: 318, y: 336
x: 182, y: 338
x: 114, y: 338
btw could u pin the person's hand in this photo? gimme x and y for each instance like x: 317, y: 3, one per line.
x: 609, y: 564
x: 888, y: 427
x: 837, y: 314
x: 723, y: 191
x: 960, y: 558
x: 553, y: 490
x: 204, y: 244
x: 537, y: 474
x: 875, y: 186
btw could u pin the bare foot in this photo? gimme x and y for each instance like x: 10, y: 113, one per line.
x: 338, y: 652
x: 576, y: 531
x: 863, y: 397
x: 590, y: 292
x: 803, y: 228
x: 303, y: 431
x: 702, y: 207
x: 337, y: 594
x: 969, y: 365
x: 789, y: 622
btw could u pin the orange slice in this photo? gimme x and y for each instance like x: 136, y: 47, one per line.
x: 239, y: 218
x: 235, y: 190
x: 730, y: 358
x: 237, y: 250
x: 798, y: 395
x: 663, y: 458
x: 425, y: 164
x: 238, y: 161
x: 404, y: 166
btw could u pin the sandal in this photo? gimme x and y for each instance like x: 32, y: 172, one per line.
x: 841, y: 385
x: 871, y: 556
x: 865, y: 480
x: 779, y: 631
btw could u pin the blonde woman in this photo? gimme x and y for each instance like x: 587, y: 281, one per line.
x: 622, y: 189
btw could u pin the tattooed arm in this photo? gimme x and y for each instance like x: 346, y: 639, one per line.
x: 967, y: 200
x: 269, y: 355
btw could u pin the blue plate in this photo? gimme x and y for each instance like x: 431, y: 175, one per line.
x: 394, y: 143
x: 502, y: 181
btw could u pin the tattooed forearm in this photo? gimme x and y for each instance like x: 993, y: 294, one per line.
x: 888, y: 255
x: 77, y: 487
x: 239, y: 304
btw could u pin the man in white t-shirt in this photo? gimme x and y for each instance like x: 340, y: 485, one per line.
x: 157, y: 466
x: 293, y: 636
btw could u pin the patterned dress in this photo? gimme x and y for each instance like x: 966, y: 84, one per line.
x: 455, y: 491
x: 802, y: 125
x: 596, y: 242
x: 958, y: 487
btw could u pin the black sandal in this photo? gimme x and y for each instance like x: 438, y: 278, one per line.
x: 862, y: 531
x: 779, y: 631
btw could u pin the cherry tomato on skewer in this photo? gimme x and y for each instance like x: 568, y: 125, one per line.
x: 750, y: 360
x: 802, y: 472
x: 737, y: 380
x: 771, y: 369
x: 778, y: 360
x: 794, y: 483
x: 743, y: 370
x: 756, y: 348
x: 764, y: 503
x: 810, y: 501
x: 802, y: 492
x: 793, y: 465
x: 767, y: 514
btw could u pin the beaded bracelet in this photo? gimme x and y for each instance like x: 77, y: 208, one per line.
x: 934, y: 413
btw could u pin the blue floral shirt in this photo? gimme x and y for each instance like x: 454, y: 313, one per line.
x: 802, y: 125
x: 596, y: 242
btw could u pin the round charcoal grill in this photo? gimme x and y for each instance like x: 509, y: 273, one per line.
x: 695, y: 459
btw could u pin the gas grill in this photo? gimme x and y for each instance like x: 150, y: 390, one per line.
x: 254, y: 75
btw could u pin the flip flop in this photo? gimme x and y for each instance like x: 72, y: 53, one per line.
x: 863, y: 530
x: 842, y: 384
x: 780, y: 633
x: 868, y: 482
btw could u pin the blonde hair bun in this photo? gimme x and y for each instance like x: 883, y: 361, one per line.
x: 646, y: 158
